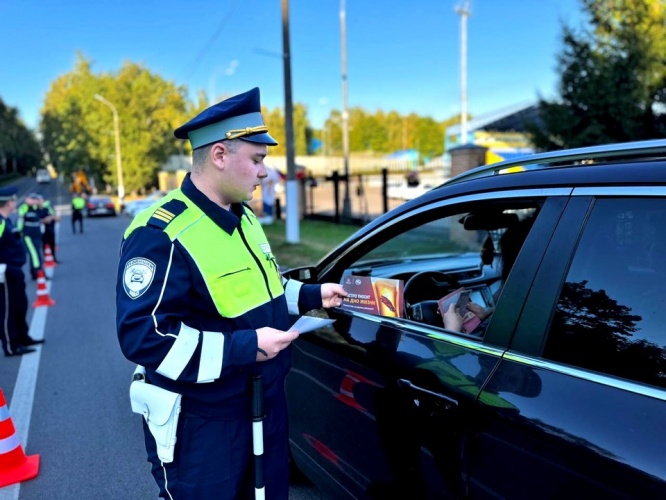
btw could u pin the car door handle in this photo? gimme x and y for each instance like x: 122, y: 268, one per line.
x: 404, y: 383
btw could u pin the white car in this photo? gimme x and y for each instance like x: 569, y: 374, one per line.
x: 135, y: 206
x: 403, y: 191
x: 43, y: 176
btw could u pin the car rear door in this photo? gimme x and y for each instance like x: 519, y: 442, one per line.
x: 583, y: 384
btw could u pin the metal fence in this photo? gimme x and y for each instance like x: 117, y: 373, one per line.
x: 369, y: 195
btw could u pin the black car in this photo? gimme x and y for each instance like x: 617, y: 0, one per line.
x: 560, y: 390
x: 100, y: 206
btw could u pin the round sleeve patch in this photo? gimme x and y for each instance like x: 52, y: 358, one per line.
x: 138, y: 276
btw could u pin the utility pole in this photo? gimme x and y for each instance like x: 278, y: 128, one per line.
x: 292, y: 228
x: 119, y: 164
x: 346, y: 204
x: 464, y: 13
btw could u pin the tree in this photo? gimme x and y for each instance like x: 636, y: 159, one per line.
x: 274, y: 119
x: 20, y: 151
x: 78, y: 130
x: 613, y: 78
x: 384, y: 132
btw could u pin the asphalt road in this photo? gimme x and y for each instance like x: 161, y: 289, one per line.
x: 69, y: 401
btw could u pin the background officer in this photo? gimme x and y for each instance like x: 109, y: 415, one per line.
x: 49, y: 227
x: 202, y: 306
x: 13, y: 300
x: 30, y: 215
x: 78, y: 204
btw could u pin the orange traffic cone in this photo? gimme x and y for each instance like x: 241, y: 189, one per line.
x: 15, y: 466
x: 43, y: 298
x: 49, y: 261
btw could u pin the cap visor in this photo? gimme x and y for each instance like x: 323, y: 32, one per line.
x: 260, y: 139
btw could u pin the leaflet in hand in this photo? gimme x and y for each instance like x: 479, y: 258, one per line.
x: 371, y: 295
x: 306, y: 324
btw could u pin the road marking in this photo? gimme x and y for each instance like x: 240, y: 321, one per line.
x: 20, y: 408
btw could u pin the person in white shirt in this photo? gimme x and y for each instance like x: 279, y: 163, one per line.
x: 268, y: 185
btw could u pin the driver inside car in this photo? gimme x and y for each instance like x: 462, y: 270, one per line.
x: 510, y: 243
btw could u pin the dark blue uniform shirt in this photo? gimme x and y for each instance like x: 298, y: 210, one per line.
x: 12, y: 248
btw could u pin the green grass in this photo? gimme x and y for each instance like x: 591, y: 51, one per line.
x: 317, y: 238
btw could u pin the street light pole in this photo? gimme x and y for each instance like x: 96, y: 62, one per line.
x: 464, y: 13
x: 116, y: 129
x: 346, y: 205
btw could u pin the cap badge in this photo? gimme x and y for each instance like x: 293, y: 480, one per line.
x: 242, y: 132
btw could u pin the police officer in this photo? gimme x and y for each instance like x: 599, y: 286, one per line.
x: 49, y: 227
x: 30, y: 215
x: 78, y: 204
x: 13, y: 299
x: 202, y: 306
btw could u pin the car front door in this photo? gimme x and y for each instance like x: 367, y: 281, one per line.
x: 382, y: 406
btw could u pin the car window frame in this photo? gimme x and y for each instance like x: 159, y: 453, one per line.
x: 331, y: 269
x: 513, y: 299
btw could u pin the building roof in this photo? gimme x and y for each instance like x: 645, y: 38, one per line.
x: 510, y: 119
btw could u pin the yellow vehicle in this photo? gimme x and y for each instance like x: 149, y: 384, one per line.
x: 79, y: 183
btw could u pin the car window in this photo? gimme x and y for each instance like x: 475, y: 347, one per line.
x: 452, y: 235
x: 435, y: 256
x: 439, y: 237
x: 611, y: 313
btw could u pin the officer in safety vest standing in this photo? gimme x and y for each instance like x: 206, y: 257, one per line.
x: 78, y: 204
x: 30, y: 215
x: 49, y: 228
x: 202, y: 307
x: 13, y: 299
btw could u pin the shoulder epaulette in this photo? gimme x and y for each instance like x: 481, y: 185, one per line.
x: 164, y: 214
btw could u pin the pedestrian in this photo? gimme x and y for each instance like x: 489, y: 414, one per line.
x: 268, y: 185
x: 29, y: 224
x: 78, y: 204
x: 49, y: 228
x: 13, y: 299
x: 202, y: 306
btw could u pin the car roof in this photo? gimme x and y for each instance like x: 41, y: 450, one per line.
x: 635, y: 163
x: 616, y: 164
x: 592, y: 156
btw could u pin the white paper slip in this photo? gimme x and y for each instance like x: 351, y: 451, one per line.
x: 306, y: 324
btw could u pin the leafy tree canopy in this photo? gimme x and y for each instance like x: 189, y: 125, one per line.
x: 613, y: 78
x: 78, y: 129
x: 384, y: 132
x: 20, y: 152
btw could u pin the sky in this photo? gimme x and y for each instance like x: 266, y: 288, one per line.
x: 402, y: 56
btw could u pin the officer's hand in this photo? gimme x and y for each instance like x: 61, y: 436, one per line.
x: 271, y: 341
x: 332, y: 294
